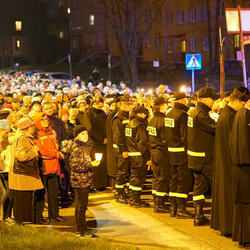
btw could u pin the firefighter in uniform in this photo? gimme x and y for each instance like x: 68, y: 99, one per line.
x: 139, y: 154
x: 181, y: 176
x: 119, y: 122
x: 159, y: 155
x: 200, y: 150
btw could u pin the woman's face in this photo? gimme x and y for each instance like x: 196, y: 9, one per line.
x: 44, y: 122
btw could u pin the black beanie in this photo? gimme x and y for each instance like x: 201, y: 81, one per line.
x: 78, y: 129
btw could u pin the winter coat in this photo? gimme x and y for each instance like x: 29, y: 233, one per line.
x: 22, y: 149
x: 59, y: 126
x: 80, y: 165
x: 48, y: 148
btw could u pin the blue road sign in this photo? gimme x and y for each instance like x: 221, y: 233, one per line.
x: 193, y: 61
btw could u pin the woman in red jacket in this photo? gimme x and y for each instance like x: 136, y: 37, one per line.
x: 48, y: 149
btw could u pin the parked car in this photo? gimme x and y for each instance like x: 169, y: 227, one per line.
x: 56, y: 76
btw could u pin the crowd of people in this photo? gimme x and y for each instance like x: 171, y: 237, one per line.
x: 52, y: 135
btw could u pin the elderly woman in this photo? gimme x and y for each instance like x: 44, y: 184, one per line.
x: 24, y: 177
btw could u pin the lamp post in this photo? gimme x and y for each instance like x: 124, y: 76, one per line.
x: 222, y: 68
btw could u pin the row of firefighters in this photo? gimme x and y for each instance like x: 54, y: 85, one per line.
x: 178, y: 147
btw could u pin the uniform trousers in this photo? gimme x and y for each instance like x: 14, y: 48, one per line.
x: 123, y: 170
x: 181, y: 181
x: 202, y: 182
x: 161, y: 172
x: 138, y: 175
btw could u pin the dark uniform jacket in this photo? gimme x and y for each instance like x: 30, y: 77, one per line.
x: 200, y: 137
x: 157, y: 132
x: 176, y: 124
x: 137, y: 142
x: 119, y: 122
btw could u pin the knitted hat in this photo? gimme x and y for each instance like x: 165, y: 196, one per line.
x: 24, y: 123
x: 78, y: 129
x: 4, y: 124
x: 207, y: 92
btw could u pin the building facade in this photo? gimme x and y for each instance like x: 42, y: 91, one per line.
x: 179, y: 28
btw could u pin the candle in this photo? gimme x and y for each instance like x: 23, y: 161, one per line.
x: 98, y: 156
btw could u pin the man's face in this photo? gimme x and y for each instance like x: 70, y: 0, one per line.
x: 48, y: 109
x: 4, y: 133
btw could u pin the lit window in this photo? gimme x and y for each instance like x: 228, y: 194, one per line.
x: 192, y: 15
x: 183, y: 46
x: 180, y: 16
x: 18, y: 25
x: 91, y: 20
x: 170, y: 47
x: 237, y: 41
x: 18, y: 44
x: 205, y: 43
x: 61, y: 34
x: 193, y: 44
x: 68, y: 10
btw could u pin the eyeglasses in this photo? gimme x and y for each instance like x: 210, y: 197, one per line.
x: 48, y: 108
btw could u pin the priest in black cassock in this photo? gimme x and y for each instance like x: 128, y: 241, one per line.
x: 222, y: 196
x: 240, y: 151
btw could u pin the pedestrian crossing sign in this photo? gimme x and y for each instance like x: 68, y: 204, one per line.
x: 193, y: 61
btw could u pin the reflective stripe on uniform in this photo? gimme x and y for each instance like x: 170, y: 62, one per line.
x: 160, y: 193
x: 176, y: 149
x: 198, y: 197
x: 153, y: 191
x: 178, y: 195
x: 119, y: 186
x: 198, y: 154
x: 125, y: 121
x: 115, y: 146
x: 135, y: 188
x: 134, y: 153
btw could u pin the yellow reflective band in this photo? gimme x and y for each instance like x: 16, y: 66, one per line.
x: 171, y: 194
x: 115, y: 146
x: 135, y: 188
x: 178, y: 195
x: 198, y: 154
x: 176, y: 149
x: 198, y: 197
x: 119, y: 186
x: 161, y: 193
x: 126, y: 184
x: 134, y: 153
x: 125, y: 121
x: 153, y: 191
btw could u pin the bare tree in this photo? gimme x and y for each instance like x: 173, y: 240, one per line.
x: 125, y: 18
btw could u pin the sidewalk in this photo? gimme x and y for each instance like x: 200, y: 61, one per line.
x: 141, y: 227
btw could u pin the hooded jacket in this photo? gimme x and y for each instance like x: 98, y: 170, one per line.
x: 48, y: 148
